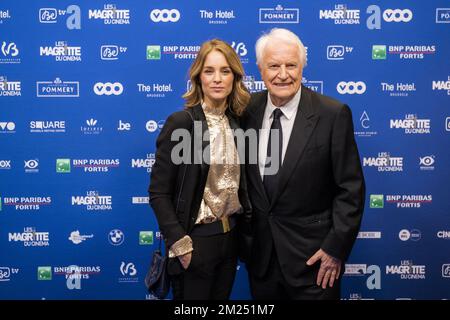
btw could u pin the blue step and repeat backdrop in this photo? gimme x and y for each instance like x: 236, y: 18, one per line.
x: 85, y: 87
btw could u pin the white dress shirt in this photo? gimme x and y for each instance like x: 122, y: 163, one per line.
x: 287, y: 123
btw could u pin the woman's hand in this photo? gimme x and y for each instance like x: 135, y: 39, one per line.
x: 185, y: 260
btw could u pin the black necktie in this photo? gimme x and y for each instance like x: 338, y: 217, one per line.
x: 270, y: 180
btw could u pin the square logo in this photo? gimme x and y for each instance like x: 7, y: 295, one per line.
x: 376, y: 201
x: 63, y: 165
x: 44, y: 273
x: 153, y: 52
x: 145, y: 238
x: 378, y: 52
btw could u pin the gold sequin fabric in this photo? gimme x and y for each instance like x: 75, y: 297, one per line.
x: 220, y: 198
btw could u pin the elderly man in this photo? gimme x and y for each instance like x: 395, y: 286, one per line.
x: 307, y: 211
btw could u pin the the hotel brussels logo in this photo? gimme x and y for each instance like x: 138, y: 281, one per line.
x: 341, y: 14
x: 279, y: 15
x: 398, y: 89
x: 62, y: 52
x: 9, y: 88
x: 110, y: 14
x: 407, y: 270
x: 155, y: 90
x: 4, y: 16
x: 91, y: 127
x: 93, y: 201
x: 58, y: 89
x: 384, y: 162
x: 72, y: 16
x: 9, y: 53
x: 30, y: 237
x: 145, y: 237
x: 412, y: 124
x: 217, y: 16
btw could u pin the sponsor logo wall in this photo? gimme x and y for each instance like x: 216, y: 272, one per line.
x: 85, y: 89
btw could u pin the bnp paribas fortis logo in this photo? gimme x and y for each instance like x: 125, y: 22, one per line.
x: 146, y: 237
x: 63, y: 165
x: 44, y: 273
x: 153, y: 52
x: 376, y: 201
x: 378, y: 52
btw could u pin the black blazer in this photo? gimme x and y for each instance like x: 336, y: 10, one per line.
x: 175, y: 190
x: 320, y: 196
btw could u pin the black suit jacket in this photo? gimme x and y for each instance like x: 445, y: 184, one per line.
x: 320, y: 196
x: 176, y: 190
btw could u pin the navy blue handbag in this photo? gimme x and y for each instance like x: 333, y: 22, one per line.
x: 157, y: 279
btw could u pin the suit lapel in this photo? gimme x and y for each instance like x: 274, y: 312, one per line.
x: 304, y: 124
x: 199, y: 115
x: 255, y: 122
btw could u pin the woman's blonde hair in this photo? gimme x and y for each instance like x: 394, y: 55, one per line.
x: 239, y: 96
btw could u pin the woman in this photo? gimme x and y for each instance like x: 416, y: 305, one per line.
x: 197, y: 193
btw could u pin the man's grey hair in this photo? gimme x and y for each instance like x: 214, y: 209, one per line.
x: 283, y: 35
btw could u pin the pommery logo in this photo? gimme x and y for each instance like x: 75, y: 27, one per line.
x: 278, y: 15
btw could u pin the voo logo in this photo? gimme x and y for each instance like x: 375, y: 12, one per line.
x: 108, y: 88
x: 165, y: 15
x: 397, y: 15
x: 351, y: 87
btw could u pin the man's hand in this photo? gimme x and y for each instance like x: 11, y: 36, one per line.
x: 330, y: 268
x: 185, y: 260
